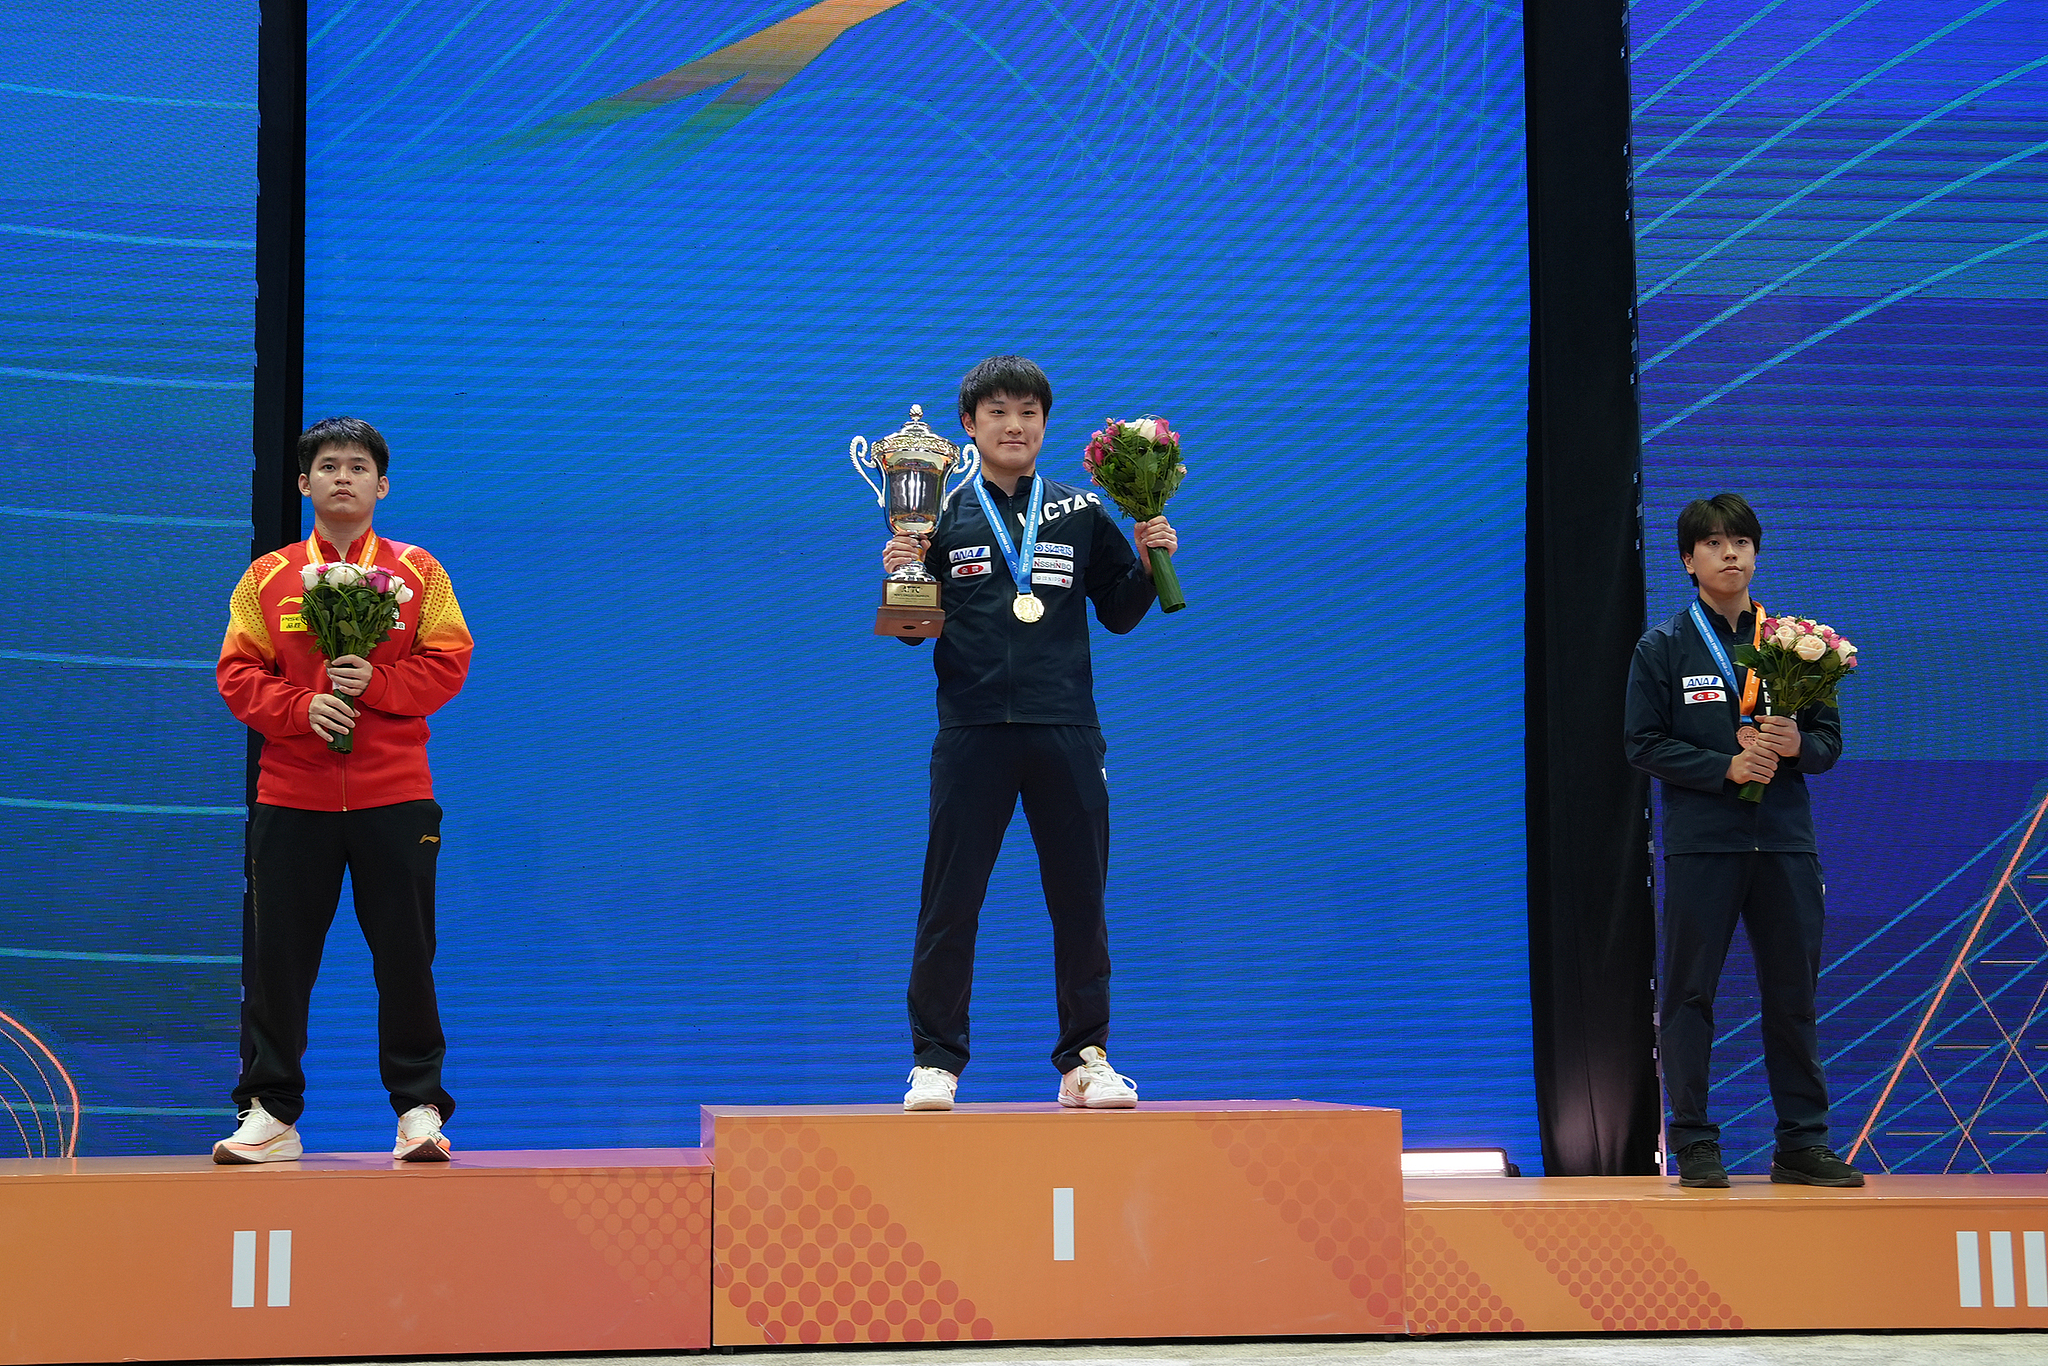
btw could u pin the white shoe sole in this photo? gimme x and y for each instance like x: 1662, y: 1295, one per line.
x: 927, y: 1104
x: 227, y: 1154
x: 425, y: 1150
x: 1113, y: 1103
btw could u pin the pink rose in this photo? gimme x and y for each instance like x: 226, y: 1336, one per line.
x: 379, y: 580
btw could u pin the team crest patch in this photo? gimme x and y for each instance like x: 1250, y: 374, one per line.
x: 971, y: 568
x: 1706, y: 695
x: 1702, y: 681
x: 969, y: 552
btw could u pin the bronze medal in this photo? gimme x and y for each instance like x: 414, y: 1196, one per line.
x: 1027, y: 607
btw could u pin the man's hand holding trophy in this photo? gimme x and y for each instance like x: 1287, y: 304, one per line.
x: 913, y: 463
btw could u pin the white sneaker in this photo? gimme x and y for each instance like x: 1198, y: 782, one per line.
x: 260, y: 1139
x: 419, y: 1136
x: 931, y: 1088
x: 1095, y: 1085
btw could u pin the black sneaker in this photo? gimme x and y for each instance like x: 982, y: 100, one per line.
x: 1699, y: 1166
x: 1815, y: 1166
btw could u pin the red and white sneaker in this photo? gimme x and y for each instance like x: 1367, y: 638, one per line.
x: 260, y: 1139
x: 419, y: 1136
x: 1095, y: 1085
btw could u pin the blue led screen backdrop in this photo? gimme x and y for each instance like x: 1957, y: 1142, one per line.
x: 1844, y: 314
x: 620, y: 282
x: 127, y: 256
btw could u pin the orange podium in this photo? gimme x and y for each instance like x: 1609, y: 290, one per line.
x: 1639, y: 1254
x: 105, y: 1259
x: 1192, y: 1219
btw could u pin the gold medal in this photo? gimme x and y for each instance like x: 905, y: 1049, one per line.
x: 1027, y: 607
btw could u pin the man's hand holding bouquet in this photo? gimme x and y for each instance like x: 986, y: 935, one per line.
x: 350, y: 610
x: 1137, y: 463
x: 1802, y: 664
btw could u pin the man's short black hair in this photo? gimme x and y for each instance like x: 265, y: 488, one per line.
x: 1724, y: 514
x: 1006, y: 377
x: 342, y: 431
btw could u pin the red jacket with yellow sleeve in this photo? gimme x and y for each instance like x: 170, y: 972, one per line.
x: 270, y: 669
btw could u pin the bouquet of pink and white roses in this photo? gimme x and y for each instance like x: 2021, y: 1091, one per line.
x: 1137, y: 463
x: 1802, y: 664
x: 350, y: 609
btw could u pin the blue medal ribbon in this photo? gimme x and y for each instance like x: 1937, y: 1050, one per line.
x: 1721, y: 660
x: 1020, y: 571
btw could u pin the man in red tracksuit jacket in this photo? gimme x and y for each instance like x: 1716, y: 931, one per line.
x: 370, y: 812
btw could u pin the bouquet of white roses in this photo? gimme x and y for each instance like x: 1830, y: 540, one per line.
x: 1137, y: 463
x: 350, y: 609
x: 1802, y: 664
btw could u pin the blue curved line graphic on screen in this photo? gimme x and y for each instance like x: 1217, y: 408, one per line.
x: 129, y: 239
x: 123, y: 518
x: 81, y: 956
x: 1696, y: 63
x: 1642, y: 49
x: 1830, y: 176
x: 1769, y: 73
x: 362, y: 54
x: 489, y: 75
x: 1989, y: 254
x: 395, y: 88
x: 1852, y: 239
x: 111, y: 98
x: 122, y: 808
x: 120, y: 661
x: 1810, y: 115
x: 130, y: 381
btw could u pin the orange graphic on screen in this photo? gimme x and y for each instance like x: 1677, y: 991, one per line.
x: 752, y: 70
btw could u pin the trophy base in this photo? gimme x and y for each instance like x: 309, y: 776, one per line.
x: 922, y: 623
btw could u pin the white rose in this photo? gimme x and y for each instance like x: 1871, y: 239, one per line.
x: 1784, y: 637
x: 1810, y: 648
x: 1146, y: 428
x: 1844, y: 651
x: 404, y: 593
x: 341, y: 575
x: 310, y: 575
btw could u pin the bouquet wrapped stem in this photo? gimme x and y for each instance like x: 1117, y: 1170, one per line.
x: 1137, y: 463
x: 350, y: 610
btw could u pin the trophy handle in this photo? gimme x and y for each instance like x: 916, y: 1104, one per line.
x: 862, y: 463
x: 970, y: 465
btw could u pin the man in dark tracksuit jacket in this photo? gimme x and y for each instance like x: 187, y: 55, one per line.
x: 1017, y: 718
x: 1728, y: 859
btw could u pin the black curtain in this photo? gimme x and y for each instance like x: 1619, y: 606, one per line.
x: 1592, y: 930
x: 280, y: 274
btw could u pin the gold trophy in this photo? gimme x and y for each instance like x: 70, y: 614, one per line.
x: 913, y: 462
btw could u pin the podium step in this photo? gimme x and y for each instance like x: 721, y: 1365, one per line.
x: 164, y: 1259
x: 1017, y: 1222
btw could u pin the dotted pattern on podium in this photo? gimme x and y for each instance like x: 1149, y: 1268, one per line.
x: 1445, y: 1295
x: 1358, y: 1235
x: 1608, y: 1257
x: 811, y: 1256
x: 652, y: 1224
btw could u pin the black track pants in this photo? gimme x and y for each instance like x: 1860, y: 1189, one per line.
x: 296, y: 859
x: 978, y: 773
x: 1778, y: 899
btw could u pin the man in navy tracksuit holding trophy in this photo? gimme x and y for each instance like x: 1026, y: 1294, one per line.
x: 1019, y: 559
